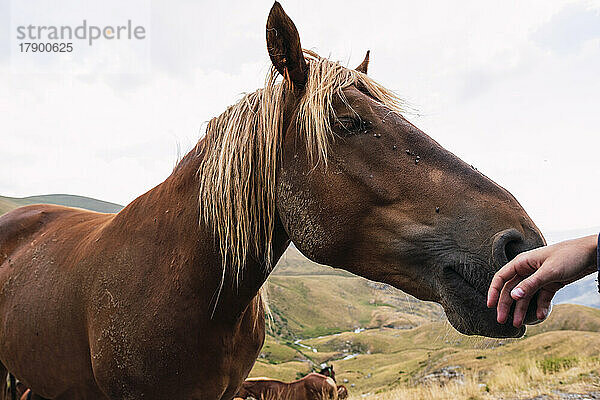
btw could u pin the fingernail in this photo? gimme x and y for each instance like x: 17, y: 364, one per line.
x: 517, y: 293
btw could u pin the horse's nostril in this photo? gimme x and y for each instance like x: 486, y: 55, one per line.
x: 512, y: 248
x: 506, y: 245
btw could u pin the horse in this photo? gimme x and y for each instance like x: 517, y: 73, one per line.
x: 341, y: 389
x: 140, y: 303
x: 19, y: 391
x: 311, y: 387
x: 328, y: 371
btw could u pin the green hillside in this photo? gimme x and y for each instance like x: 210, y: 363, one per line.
x: 293, y: 263
x: 383, y: 359
x: 312, y: 305
x: 9, y: 203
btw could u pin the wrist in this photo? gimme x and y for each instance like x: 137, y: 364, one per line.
x: 597, y: 252
x: 590, y: 243
x: 598, y: 260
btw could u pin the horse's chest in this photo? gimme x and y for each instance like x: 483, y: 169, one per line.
x: 181, y: 355
x: 242, y: 351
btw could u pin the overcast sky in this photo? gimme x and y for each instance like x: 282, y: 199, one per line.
x: 510, y: 87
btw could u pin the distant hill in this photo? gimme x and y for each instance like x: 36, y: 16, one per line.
x: 9, y: 203
x: 569, y: 317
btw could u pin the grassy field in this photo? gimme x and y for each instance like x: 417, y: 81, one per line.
x: 394, y: 363
x: 406, y: 340
x: 310, y: 306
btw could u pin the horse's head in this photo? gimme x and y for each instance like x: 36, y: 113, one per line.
x: 328, y: 371
x: 360, y: 188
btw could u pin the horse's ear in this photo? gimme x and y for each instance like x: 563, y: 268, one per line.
x: 283, y: 44
x: 365, y: 64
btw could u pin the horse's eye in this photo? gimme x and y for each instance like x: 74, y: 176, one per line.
x: 352, y: 125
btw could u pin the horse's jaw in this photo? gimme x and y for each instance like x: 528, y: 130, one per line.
x: 465, y: 306
x: 460, y: 288
x: 466, y: 309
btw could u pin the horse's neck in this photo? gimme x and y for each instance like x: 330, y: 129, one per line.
x: 176, y: 202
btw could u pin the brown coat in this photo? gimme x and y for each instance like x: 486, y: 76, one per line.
x: 312, y: 387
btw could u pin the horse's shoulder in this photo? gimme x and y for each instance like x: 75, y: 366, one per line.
x: 26, y: 218
x: 20, y: 223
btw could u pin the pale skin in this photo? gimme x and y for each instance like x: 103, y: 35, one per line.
x: 544, y: 270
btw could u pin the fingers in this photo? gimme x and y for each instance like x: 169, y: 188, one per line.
x: 503, y: 275
x: 525, y: 289
x: 493, y: 293
x: 533, y: 283
x: 505, y: 301
x: 524, y: 264
x: 523, y: 292
x: 544, y: 303
x: 520, y: 312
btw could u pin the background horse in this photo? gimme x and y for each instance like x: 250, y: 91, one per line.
x: 311, y: 387
x: 341, y: 389
x: 328, y: 371
x: 138, y: 304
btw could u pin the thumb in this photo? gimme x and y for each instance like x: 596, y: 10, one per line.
x: 530, y: 285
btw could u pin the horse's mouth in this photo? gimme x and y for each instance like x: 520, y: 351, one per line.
x: 477, y: 284
x: 464, y: 301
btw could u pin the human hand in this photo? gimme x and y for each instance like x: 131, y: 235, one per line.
x: 545, y: 269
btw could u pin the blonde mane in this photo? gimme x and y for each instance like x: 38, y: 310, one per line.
x: 241, y: 150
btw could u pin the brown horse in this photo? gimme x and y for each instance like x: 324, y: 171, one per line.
x: 328, y: 371
x: 311, y: 387
x: 341, y: 389
x: 161, y: 301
